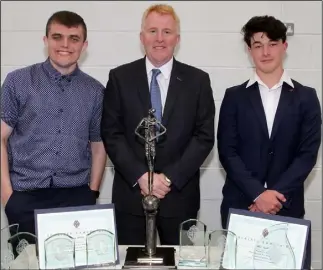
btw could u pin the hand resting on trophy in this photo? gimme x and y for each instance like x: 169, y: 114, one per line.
x: 153, y: 188
x: 151, y: 183
x: 160, y: 186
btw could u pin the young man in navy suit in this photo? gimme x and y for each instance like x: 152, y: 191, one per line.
x: 269, y: 130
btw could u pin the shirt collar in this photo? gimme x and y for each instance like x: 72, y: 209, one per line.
x: 56, y: 75
x: 284, y: 78
x: 165, y: 69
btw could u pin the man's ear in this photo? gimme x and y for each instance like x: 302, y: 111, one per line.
x: 45, y: 41
x: 285, y: 45
x: 85, y: 45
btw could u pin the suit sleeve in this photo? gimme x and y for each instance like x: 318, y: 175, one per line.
x: 309, y: 143
x: 227, y: 136
x: 201, y: 143
x: 113, y: 135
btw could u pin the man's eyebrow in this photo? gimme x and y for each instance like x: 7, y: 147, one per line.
x: 72, y: 36
x: 256, y: 42
x: 75, y: 36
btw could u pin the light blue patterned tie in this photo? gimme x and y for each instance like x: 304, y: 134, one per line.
x: 155, y: 95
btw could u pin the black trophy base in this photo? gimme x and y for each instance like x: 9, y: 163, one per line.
x: 137, y: 258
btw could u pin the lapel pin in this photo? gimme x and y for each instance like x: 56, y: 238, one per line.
x: 178, y: 78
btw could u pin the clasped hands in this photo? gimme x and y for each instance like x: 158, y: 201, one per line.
x: 160, y: 185
x: 268, y: 202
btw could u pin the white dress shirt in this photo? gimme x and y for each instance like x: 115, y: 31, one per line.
x: 270, y: 98
x: 163, y: 78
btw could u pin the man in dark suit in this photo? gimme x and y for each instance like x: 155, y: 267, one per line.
x: 182, y: 97
x: 269, y: 130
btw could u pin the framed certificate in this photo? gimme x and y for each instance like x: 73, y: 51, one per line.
x: 76, y: 236
x: 270, y: 241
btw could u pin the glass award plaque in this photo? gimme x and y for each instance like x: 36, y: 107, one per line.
x: 100, y: 248
x: 20, y: 241
x: 193, y: 244
x: 7, y: 254
x: 273, y: 249
x: 222, y: 249
x: 23, y: 244
x: 59, y: 251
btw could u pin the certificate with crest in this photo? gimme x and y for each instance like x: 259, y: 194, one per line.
x: 267, y: 241
x: 72, y: 237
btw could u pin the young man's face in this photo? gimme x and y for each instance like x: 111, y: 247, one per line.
x: 65, y: 46
x: 267, y: 55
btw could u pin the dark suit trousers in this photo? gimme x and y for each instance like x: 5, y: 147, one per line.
x: 21, y: 204
x: 131, y: 229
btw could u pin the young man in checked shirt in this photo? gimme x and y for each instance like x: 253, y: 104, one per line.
x: 51, y: 150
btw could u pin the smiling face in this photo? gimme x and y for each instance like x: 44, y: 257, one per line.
x: 65, y: 46
x: 267, y: 55
x: 159, y: 36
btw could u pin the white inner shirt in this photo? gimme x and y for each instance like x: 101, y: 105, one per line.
x: 270, y: 97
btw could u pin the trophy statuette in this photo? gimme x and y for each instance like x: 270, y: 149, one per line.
x: 150, y: 256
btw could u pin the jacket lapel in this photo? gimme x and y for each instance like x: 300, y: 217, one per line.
x: 284, y: 101
x: 256, y: 102
x: 175, y: 86
x: 141, y: 80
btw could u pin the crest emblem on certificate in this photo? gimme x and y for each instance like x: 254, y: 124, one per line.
x: 76, y: 223
x: 265, y: 232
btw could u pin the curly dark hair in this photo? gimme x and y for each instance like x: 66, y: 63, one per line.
x: 67, y: 18
x: 272, y: 27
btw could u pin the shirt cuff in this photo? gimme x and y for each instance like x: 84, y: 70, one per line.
x: 256, y: 198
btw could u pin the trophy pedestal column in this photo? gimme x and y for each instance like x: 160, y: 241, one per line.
x: 137, y: 258
x: 150, y: 256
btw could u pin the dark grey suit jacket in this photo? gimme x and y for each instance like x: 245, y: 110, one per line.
x: 189, y: 118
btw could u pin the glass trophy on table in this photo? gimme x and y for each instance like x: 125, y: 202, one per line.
x: 222, y: 249
x: 150, y: 256
x: 59, y: 251
x: 7, y: 254
x: 193, y: 244
x: 100, y: 248
x: 24, y: 245
x: 273, y: 249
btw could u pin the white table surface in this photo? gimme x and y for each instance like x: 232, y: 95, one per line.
x: 28, y: 256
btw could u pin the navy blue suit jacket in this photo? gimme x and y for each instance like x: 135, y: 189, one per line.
x: 250, y: 157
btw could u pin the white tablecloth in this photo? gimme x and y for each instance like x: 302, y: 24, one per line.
x: 28, y: 256
x: 27, y: 259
